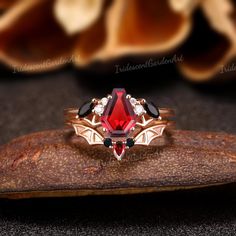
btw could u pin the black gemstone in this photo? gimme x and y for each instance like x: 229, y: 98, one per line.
x: 86, y: 109
x: 107, y: 142
x: 151, y: 110
x: 129, y: 142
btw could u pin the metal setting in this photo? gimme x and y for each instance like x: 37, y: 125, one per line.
x: 145, y: 130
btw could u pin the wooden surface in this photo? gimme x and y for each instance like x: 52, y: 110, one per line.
x: 57, y: 163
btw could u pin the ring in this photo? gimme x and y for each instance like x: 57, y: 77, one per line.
x: 119, y: 121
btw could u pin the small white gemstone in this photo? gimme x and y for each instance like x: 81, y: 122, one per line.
x: 139, y: 110
x: 99, y: 109
x: 133, y: 101
x: 104, y: 101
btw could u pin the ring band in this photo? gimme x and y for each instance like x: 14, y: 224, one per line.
x: 119, y: 121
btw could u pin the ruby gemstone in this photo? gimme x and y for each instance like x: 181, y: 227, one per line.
x: 119, y: 150
x: 119, y: 147
x: 118, y: 118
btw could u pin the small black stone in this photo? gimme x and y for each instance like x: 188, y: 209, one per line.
x: 86, y: 109
x: 107, y: 142
x: 129, y: 142
x: 151, y: 110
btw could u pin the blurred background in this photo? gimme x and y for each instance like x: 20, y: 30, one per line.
x: 181, y: 54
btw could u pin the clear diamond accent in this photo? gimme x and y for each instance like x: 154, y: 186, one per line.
x: 104, y: 101
x: 139, y: 110
x: 99, y: 109
x: 133, y: 101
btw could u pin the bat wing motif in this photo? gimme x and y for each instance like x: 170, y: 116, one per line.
x: 147, y: 135
x: 92, y: 136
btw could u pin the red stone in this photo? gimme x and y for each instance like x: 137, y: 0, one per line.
x: 119, y: 150
x: 118, y: 117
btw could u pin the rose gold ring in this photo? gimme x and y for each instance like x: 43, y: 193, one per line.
x: 119, y: 121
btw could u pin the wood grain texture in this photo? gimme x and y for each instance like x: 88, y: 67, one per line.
x: 57, y: 163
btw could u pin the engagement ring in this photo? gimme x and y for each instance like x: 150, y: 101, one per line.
x: 119, y: 121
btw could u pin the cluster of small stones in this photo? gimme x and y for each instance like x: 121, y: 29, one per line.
x: 142, y: 107
x: 108, y: 142
x: 101, y: 104
x: 96, y: 106
x: 137, y: 106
